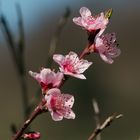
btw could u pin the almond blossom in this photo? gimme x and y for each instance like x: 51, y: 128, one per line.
x: 72, y: 65
x: 89, y: 22
x: 59, y: 104
x: 106, y: 46
x: 47, y: 78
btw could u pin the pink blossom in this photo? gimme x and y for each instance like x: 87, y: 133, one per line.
x: 59, y: 104
x: 90, y: 22
x: 71, y: 65
x: 32, y: 136
x: 47, y: 78
x: 106, y: 46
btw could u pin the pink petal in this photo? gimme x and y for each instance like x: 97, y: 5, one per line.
x: 101, y: 32
x: 106, y: 59
x: 58, y: 78
x: 69, y: 100
x: 33, y: 74
x: 85, y: 12
x: 78, y: 21
x: 52, y: 92
x: 72, y: 56
x: 80, y: 76
x: 82, y: 66
x: 56, y: 116
x: 46, y: 75
x: 110, y: 37
x: 68, y: 113
x: 58, y: 58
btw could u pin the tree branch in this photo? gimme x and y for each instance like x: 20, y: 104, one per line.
x: 105, y: 124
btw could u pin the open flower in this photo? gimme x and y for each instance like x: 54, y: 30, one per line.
x: 47, y: 79
x: 106, y: 46
x: 89, y: 22
x: 59, y: 104
x: 71, y: 65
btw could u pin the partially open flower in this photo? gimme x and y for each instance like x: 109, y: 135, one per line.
x: 47, y: 79
x: 71, y: 65
x: 32, y: 136
x: 106, y: 46
x: 89, y: 22
x: 59, y: 104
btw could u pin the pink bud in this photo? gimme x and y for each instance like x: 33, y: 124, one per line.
x: 32, y: 136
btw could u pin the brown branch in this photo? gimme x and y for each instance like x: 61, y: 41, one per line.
x: 97, y: 118
x: 105, y: 124
x: 55, y: 39
x: 38, y: 110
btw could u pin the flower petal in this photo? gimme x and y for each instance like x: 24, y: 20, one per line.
x: 53, y: 92
x: 85, y: 12
x: 56, y: 116
x: 72, y: 56
x: 68, y: 113
x: 58, y: 58
x: 69, y: 100
x: 82, y: 66
x: 78, y: 21
x: 106, y: 59
x: 80, y: 76
x: 33, y: 74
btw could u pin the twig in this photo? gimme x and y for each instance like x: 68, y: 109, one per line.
x: 38, y: 110
x: 53, y: 44
x: 20, y: 55
x: 97, y: 118
x: 9, y: 38
x: 105, y: 124
x: 17, y: 52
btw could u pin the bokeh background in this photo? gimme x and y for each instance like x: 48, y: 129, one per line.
x: 116, y: 87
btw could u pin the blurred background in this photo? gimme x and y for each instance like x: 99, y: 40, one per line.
x: 116, y: 87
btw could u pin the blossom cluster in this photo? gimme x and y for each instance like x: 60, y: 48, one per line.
x: 104, y: 44
x: 60, y: 104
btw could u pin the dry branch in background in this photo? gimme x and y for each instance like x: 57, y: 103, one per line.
x: 55, y: 39
x: 96, y: 116
x: 53, y: 45
x: 105, y: 124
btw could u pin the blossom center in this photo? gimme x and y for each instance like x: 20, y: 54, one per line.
x: 90, y: 20
x: 57, y: 103
x: 68, y: 67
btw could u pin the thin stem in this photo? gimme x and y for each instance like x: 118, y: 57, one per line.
x: 84, y: 52
x: 105, y: 124
x: 17, y: 53
x: 38, y: 110
x: 55, y: 39
x: 9, y: 39
x: 97, y: 118
x: 24, y: 95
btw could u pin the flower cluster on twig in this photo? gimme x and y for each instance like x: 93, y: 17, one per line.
x: 56, y: 102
